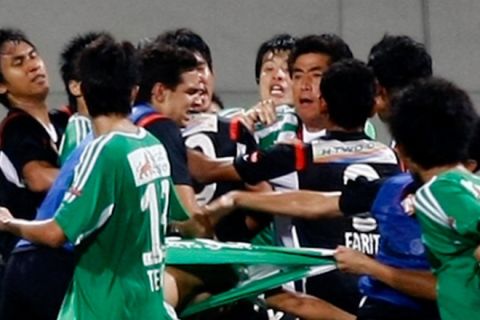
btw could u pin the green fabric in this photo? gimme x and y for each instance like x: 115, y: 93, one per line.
x: 266, y: 237
x: 370, y: 130
x: 284, y: 265
x: 448, y: 209
x: 77, y: 129
x: 177, y: 210
x: 115, y: 213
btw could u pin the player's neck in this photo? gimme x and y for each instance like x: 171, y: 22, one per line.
x: 427, y: 174
x: 105, y: 124
x: 334, y: 127
x: 36, y: 108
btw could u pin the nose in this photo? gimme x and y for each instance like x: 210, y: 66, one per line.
x: 34, y: 64
x: 279, y: 74
x: 306, y: 84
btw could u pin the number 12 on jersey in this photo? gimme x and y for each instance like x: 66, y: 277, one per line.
x: 149, y: 202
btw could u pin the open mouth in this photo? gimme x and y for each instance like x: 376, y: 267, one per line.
x: 276, y: 91
x: 306, y: 101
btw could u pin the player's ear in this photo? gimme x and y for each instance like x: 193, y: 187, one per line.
x: 134, y: 93
x: 471, y: 165
x: 159, y: 92
x: 382, y: 100
x: 323, y: 105
x: 74, y: 88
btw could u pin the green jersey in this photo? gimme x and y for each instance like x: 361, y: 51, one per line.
x: 448, y: 208
x: 78, y: 127
x: 115, y: 213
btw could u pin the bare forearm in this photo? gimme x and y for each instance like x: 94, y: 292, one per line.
x: 303, y: 204
x: 307, y: 307
x: 45, y: 232
x: 207, y: 170
x: 416, y: 283
x: 39, y: 175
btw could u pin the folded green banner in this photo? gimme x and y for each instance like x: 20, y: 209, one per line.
x: 284, y: 265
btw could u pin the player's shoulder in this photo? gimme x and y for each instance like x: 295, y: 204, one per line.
x: 202, y: 122
x: 452, y: 180
x: 325, y: 149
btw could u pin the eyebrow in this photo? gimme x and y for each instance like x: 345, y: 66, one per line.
x: 308, y: 70
x: 19, y: 55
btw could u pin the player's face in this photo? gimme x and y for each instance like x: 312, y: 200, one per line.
x: 307, y: 73
x: 208, y: 85
x: 180, y: 100
x: 23, y: 71
x: 274, y: 81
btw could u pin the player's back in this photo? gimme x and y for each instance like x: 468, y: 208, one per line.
x: 332, y: 161
x: 124, y: 180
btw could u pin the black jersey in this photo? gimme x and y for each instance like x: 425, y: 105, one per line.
x: 168, y: 132
x: 220, y: 138
x: 326, y: 165
x: 24, y: 139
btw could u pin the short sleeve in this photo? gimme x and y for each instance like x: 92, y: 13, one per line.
x: 168, y: 133
x: 459, y: 203
x: 89, y: 202
x: 25, y: 140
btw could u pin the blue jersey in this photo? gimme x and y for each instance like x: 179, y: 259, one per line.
x: 400, y: 239
x: 56, y: 193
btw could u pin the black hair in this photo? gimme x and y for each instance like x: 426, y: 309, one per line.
x: 163, y: 63
x: 348, y: 88
x: 16, y: 36
x: 433, y: 121
x: 279, y: 42
x: 187, y: 39
x: 108, y: 72
x: 328, y: 44
x: 68, y: 57
x: 399, y: 60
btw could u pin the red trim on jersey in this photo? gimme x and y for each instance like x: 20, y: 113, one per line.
x: 145, y: 121
x: 235, y: 129
x: 66, y: 109
x: 300, y: 157
x: 9, y: 118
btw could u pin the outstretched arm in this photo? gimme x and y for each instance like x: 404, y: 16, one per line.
x: 300, y: 204
x: 46, y: 232
x: 416, y: 283
x: 306, y: 307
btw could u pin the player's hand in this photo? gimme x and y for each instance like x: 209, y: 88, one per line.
x: 220, y: 207
x: 5, y: 217
x: 198, y: 226
x: 263, y: 112
x: 352, y: 261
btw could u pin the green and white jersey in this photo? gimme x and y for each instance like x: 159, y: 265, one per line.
x: 448, y: 208
x: 285, y: 128
x: 115, y: 213
x: 78, y: 127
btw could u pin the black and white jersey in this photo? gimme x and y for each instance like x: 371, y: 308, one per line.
x: 24, y: 139
x: 213, y: 136
x: 326, y: 165
x: 219, y: 138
